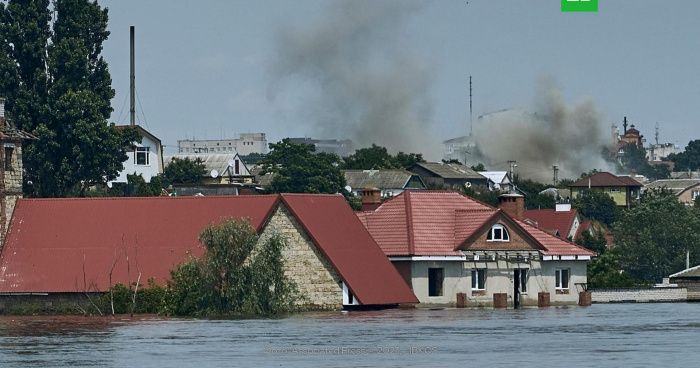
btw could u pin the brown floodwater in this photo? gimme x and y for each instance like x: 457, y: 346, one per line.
x: 600, y: 336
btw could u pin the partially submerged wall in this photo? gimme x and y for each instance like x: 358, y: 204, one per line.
x: 640, y: 295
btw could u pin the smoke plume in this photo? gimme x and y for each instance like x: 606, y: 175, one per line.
x: 552, y: 133
x: 363, y: 84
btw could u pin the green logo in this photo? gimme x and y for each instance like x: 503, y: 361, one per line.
x: 579, y: 5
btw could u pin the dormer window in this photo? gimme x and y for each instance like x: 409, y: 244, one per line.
x: 498, y: 232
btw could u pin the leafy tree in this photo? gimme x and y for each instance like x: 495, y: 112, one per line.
x: 252, y: 158
x: 486, y: 196
x: 137, y: 187
x: 634, y: 160
x: 605, y: 271
x: 597, y: 205
x: 298, y: 168
x: 655, y: 193
x: 479, y: 167
x: 58, y: 88
x: 654, y: 237
x: 377, y: 157
x: 595, y: 242
x: 238, y: 275
x: 452, y: 161
x: 533, y: 198
x: 688, y: 159
x: 184, y: 171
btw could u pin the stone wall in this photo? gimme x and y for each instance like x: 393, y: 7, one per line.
x: 317, y: 281
x: 640, y: 295
x: 13, y: 185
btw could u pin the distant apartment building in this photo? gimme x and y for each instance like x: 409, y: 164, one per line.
x: 246, y: 144
x: 340, y: 147
x: 659, y: 152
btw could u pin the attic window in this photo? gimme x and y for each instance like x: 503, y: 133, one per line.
x: 141, y: 156
x: 498, y: 232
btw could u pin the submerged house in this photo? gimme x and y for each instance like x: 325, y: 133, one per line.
x: 63, y: 249
x: 454, y: 250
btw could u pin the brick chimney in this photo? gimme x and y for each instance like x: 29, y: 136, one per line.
x: 513, y: 204
x: 371, y: 198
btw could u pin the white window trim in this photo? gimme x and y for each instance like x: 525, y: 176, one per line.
x: 145, y: 150
x: 568, y: 283
x: 504, y: 231
x: 474, y: 272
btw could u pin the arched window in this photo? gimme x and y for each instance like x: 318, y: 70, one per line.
x: 498, y: 232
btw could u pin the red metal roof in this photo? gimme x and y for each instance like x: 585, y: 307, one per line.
x: 436, y: 223
x: 345, y: 242
x: 70, y: 245
x: 553, y: 221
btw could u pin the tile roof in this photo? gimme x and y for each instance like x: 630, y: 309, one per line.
x: 54, y: 244
x: 450, y: 171
x: 677, y: 186
x: 553, y: 221
x: 606, y: 179
x: 382, y: 179
x: 435, y: 223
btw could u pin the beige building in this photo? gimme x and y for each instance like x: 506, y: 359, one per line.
x: 686, y: 190
x: 453, y: 250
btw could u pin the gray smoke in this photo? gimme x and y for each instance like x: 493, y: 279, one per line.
x: 551, y: 133
x: 363, y: 83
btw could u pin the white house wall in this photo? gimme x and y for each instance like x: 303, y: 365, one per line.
x: 147, y: 171
x: 499, y: 279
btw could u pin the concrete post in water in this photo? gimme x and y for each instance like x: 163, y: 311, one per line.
x: 542, y: 299
x: 500, y: 300
x: 461, y: 300
x: 585, y: 298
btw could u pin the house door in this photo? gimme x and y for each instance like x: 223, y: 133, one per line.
x: 519, y: 285
x: 516, y: 288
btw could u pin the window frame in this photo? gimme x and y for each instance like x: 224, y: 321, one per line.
x: 558, y: 279
x: 146, y: 152
x: 9, y: 153
x: 476, y: 279
x: 524, y: 273
x: 491, y: 235
x: 436, y: 287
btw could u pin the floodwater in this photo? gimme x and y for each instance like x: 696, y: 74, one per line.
x: 630, y: 335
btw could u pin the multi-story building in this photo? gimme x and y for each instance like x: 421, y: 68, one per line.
x: 340, y: 147
x: 246, y: 144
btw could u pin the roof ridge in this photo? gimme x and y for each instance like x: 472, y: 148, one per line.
x: 555, y: 237
x: 61, y: 199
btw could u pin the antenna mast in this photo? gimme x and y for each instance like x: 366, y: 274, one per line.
x: 471, y: 115
x: 656, y: 133
x: 132, y: 75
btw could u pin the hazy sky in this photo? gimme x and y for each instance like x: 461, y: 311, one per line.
x: 203, y: 67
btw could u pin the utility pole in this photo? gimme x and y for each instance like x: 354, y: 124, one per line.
x: 132, y: 75
x: 471, y: 114
x: 555, y: 168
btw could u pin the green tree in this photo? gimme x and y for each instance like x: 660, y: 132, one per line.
x: 533, y: 198
x: 654, y: 237
x: 58, y: 88
x: 483, y: 195
x: 597, y: 205
x: 688, y: 159
x: 378, y: 157
x: 479, y: 167
x: 137, y: 187
x: 184, y: 171
x: 595, y: 242
x: 605, y: 271
x: 238, y: 275
x: 298, y: 168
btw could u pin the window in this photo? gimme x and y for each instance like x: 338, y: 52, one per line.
x: 237, y: 167
x: 498, y: 232
x: 521, y: 279
x: 479, y: 279
x: 695, y: 193
x: 9, y: 151
x: 562, y: 278
x: 435, y: 279
x: 141, y: 156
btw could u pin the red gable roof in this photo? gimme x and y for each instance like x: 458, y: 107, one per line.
x: 345, y: 242
x: 606, y: 179
x: 435, y: 223
x: 51, y: 241
x: 551, y: 220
